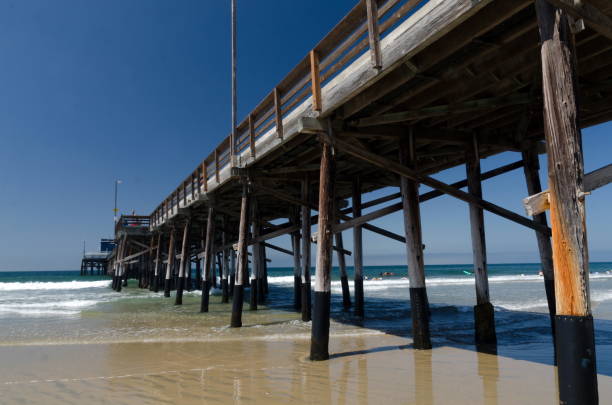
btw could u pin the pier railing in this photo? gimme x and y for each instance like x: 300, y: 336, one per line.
x: 358, y: 32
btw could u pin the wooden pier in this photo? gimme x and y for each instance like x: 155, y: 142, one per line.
x: 400, y: 90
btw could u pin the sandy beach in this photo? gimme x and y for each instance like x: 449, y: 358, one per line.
x: 365, y: 369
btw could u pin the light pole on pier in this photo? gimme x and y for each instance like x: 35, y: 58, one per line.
x: 234, y: 98
x: 115, y: 210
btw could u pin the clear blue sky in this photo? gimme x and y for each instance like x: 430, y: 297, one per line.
x: 139, y: 90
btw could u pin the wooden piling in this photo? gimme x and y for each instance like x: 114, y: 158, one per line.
x: 346, y: 294
x: 305, y: 223
x: 208, y: 259
x: 232, y: 277
x: 484, y: 314
x: 319, y: 347
x: 224, y: 264
x: 243, y: 258
x: 184, y: 262
x: 297, y: 268
x: 256, y: 261
x: 577, y: 372
x: 531, y: 167
x: 261, y: 274
x: 358, y: 249
x: 169, y: 265
x: 419, y: 304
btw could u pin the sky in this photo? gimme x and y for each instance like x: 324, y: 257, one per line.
x: 139, y: 90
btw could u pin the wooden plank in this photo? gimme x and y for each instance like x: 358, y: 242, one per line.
x: 444, y: 110
x: 540, y: 202
x: 397, y: 168
x: 252, y: 136
x: 315, y: 80
x: 278, y: 114
x: 373, y: 34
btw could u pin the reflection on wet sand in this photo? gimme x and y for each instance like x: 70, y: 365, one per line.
x: 366, y: 369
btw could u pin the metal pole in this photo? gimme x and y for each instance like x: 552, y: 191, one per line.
x: 234, y: 98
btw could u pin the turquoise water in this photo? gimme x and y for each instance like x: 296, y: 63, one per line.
x: 61, y: 307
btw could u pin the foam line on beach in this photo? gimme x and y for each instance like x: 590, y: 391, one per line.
x: 61, y: 285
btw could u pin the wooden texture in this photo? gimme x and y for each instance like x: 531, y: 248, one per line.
x: 315, y: 81
x: 209, y: 244
x: 306, y: 230
x: 565, y: 165
x: 326, y: 220
x: 243, y: 231
x: 170, y: 255
x: 373, y: 34
x: 402, y: 170
x: 412, y: 219
x: 593, y: 17
x: 477, y: 231
x: 184, y: 248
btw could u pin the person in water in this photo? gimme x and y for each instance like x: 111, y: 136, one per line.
x: 387, y: 273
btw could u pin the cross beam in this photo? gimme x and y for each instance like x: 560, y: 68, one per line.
x: 395, y: 167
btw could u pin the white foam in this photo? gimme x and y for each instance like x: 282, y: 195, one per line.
x: 62, y: 285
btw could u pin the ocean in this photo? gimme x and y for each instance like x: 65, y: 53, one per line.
x: 83, y: 317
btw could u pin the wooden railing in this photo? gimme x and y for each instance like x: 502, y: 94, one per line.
x: 358, y: 32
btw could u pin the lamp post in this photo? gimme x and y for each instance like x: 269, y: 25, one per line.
x: 115, y: 210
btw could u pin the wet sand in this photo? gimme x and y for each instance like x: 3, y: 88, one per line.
x: 377, y: 368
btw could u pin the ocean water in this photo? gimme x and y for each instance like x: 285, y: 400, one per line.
x: 61, y: 307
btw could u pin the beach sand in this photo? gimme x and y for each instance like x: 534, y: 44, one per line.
x: 376, y: 368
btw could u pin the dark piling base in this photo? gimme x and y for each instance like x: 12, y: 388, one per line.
x: 253, y: 297
x: 155, y: 284
x: 577, y: 372
x: 167, y: 288
x: 125, y: 282
x: 179, y: 291
x: 261, y: 291
x: 114, y: 283
x: 237, y: 301
x: 297, y: 293
x: 205, y: 296
x: 224, y: 291
x: 484, y: 323
x: 232, y: 281
x: 306, y: 302
x: 118, y: 289
x: 346, y: 294
x: 359, y: 311
x: 319, y: 345
x: 419, y: 306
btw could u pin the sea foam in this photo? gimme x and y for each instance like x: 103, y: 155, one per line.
x: 62, y: 285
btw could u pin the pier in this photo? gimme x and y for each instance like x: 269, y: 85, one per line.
x: 398, y: 91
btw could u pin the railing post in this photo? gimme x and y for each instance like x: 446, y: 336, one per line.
x: 278, y: 113
x: 217, y: 165
x: 373, y: 34
x: 205, y: 176
x: 315, y: 79
x: 252, y: 136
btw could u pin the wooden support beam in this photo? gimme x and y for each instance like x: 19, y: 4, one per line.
x: 484, y: 314
x: 444, y: 110
x: 397, y: 168
x: 315, y: 80
x: 373, y: 34
x: 419, y: 304
x: 256, y: 267
x: 319, y: 346
x: 224, y: 263
x: 252, y: 136
x: 208, y: 259
x: 346, y: 294
x: 575, y: 335
x: 540, y: 202
x: 184, y: 260
x: 243, y: 229
x: 297, y: 266
x: 358, y: 249
x: 592, y: 16
x: 532, y: 179
x: 169, y: 265
x: 157, y: 264
x: 305, y: 273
